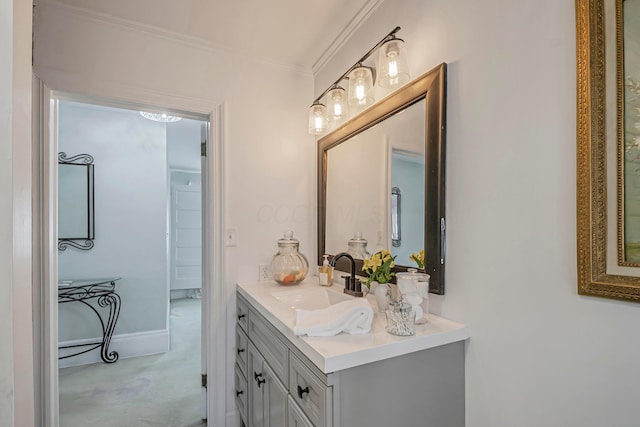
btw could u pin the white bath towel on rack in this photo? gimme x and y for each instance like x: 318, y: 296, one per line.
x: 352, y: 317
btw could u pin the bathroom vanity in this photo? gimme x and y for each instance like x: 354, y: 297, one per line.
x: 375, y: 379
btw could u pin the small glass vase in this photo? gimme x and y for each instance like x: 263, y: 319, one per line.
x: 382, y: 292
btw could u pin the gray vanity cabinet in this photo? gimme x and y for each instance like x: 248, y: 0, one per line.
x: 285, y: 389
x: 268, y: 370
x: 267, y: 395
x: 296, y: 417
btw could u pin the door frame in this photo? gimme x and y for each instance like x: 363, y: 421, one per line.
x: 45, y: 289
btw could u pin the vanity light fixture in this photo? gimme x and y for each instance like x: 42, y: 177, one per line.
x: 361, y: 86
x: 160, y: 117
x: 337, y: 106
x: 393, y: 72
x: 392, y: 64
x: 317, y: 118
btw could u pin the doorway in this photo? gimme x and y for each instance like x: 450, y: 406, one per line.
x: 129, y: 247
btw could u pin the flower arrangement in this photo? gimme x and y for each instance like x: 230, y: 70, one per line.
x: 378, y: 267
x: 418, y: 259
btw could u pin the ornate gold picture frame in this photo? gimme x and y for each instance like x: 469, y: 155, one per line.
x: 598, y: 102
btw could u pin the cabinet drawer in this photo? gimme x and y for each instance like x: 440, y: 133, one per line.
x: 241, y: 350
x: 241, y: 393
x: 242, y: 313
x: 273, y: 350
x: 295, y: 415
x: 309, y: 393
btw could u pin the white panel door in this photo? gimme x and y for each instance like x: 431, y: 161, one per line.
x: 186, y: 231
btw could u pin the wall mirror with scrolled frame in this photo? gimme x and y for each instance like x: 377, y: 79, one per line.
x: 397, y: 143
x: 608, y: 148
x: 76, y: 225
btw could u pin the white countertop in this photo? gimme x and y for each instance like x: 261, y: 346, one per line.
x: 343, y: 351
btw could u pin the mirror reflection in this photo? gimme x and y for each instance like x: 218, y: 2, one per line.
x: 396, y: 240
x: 362, y: 174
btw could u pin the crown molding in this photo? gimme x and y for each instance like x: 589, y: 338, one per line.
x: 361, y: 17
x: 169, y: 35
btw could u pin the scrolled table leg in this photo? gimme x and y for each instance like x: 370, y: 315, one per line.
x: 111, y: 300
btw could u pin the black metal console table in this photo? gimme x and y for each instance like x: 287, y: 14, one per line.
x: 104, y: 292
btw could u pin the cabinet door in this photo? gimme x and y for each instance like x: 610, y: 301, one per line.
x: 275, y: 399
x: 296, y: 417
x: 241, y: 350
x: 310, y: 394
x: 241, y: 394
x: 256, y: 380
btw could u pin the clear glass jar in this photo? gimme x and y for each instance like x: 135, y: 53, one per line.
x: 413, y: 287
x: 400, y: 319
x: 289, y: 266
x: 357, y: 247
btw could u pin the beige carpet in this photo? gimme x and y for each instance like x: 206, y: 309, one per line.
x: 161, y: 390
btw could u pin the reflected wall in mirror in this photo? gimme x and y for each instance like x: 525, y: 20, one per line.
x: 76, y: 226
x: 361, y: 175
x: 606, y: 196
x: 388, y: 146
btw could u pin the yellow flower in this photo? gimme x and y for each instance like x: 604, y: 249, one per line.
x: 375, y: 262
x: 378, y: 267
x: 418, y: 258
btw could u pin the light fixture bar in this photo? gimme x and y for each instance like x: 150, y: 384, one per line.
x: 358, y: 63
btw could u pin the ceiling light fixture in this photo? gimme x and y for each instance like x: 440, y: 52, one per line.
x: 160, y: 117
x: 392, y: 72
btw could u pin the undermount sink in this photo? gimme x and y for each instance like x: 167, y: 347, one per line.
x: 309, y: 299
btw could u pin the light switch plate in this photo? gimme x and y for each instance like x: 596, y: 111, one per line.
x: 264, y: 272
x: 230, y: 237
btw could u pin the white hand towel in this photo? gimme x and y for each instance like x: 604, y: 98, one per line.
x: 353, y: 317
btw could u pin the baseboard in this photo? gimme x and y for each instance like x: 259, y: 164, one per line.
x: 185, y: 293
x: 127, y: 345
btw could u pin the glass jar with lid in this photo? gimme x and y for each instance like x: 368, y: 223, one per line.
x: 413, y: 287
x: 400, y: 319
x: 357, y: 246
x: 289, y: 266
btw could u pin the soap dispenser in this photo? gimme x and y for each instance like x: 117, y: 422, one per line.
x: 325, y: 272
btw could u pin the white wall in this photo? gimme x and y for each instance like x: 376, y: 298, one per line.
x: 269, y: 157
x: 539, y: 354
x: 130, y: 166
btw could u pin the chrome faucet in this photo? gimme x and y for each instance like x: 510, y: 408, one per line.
x: 351, y: 285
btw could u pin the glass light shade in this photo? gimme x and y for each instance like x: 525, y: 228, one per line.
x: 337, y: 106
x: 160, y: 117
x: 317, y: 119
x: 361, y: 87
x: 392, y: 66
